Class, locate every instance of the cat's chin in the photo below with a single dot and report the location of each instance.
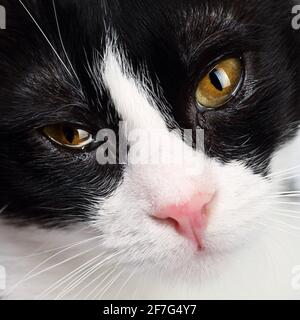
(193, 270)
(186, 264)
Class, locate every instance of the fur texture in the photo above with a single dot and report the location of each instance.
(94, 64)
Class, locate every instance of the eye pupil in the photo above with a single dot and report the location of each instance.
(69, 134)
(214, 78)
(220, 84)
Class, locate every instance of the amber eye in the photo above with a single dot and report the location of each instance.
(68, 136)
(220, 84)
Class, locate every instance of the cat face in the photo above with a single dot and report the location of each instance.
(70, 70)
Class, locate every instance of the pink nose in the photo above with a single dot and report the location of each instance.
(189, 219)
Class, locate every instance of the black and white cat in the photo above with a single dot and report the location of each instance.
(173, 220)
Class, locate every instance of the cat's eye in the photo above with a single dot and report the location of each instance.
(220, 84)
(68, 136)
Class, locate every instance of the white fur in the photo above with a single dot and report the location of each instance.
(243, 258)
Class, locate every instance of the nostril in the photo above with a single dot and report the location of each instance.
(167, 221)
(172, 222)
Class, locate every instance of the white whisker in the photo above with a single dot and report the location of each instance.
(3, 208)
(60, 263)
(110, 272)
(288, 203)
(61, 40)
(68, 277)
(286, 196)
(289, 178)
(287, 192)
(46, 38)
(28, 275)
(286, 215)
(91, 271)
(108, 286)
(283, 223)
(283, 172)
(289, 211)
(267, 226)
(126, 282)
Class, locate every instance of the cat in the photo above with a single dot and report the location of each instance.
(170, 219)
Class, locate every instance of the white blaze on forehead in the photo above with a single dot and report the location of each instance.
(143, 118)
(175, 178)
(130, 98)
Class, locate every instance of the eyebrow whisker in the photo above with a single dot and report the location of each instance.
(46, 38)
(61, 40)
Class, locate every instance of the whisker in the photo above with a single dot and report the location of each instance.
(46, 38)
(105, 273)
(287, 192)
(288, 203)
(279, 173)
(282, 223)
(69, 276)
(39, 253)
(108, 286)
(110, 272)
(285, 196)
(289, 178)
(3, 208)
(63, 251)
(289, 211)
(61, 263)
(277, 228)
(126, 282)
(85, 274)
(91, 271)
(28, 275)
(286, 215)
(61, 40)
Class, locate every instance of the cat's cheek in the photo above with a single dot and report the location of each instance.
(243, 202)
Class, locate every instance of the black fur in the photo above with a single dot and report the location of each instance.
(177, 41)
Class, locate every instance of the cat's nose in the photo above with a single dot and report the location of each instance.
(189, 219)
